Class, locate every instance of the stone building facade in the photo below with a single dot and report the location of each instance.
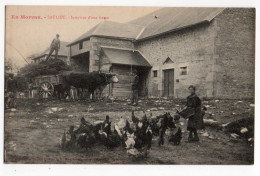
(212, 49)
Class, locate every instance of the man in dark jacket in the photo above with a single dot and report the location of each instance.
(135, 89)
(194, 122)
(55, 46)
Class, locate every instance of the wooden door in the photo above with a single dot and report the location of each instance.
(168, 89)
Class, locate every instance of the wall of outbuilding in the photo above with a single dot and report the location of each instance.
(235, 53)
(219, 56)
(193, 48)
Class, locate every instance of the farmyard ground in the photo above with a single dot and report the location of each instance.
(33, 132)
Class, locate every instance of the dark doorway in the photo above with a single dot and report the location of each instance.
(143, 75)
(168, 88)
(80, 62)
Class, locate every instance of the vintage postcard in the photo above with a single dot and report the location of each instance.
(129, 85)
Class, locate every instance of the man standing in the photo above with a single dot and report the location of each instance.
(55, 46)
(10, 93)
(135, 89)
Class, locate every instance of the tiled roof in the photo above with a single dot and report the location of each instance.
(156, 23)
(171, 19)
(112, 29)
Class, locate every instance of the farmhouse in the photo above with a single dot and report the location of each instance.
(172, 48)
(62, 54)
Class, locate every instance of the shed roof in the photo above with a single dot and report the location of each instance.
(172, 18)
(62, 52)
(125, 57)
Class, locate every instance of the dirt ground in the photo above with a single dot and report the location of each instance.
(33, 131)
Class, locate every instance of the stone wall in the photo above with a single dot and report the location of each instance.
(74, 49)
(235, 53)
(100, 62)
(219, 56)
(192, 48)
(98, 42)
(93, 46)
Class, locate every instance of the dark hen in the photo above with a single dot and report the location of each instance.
(112, 140)
(86, 140)
(134, 118)
(85, 127)
(176, 138)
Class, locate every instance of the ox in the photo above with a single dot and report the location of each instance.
(92, 81)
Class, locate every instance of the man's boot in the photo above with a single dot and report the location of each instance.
(190, 138)
(196, 137)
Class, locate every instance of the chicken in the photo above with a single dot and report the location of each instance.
(137, 154)
(130, 140)
(176, 136)
(106, 126)
(101, 127)
(128, 127)
(85, 127)
(68, 139)
(112, 140)
(143, 135)
(122, 123)
(149, 137)
(134, 118)
(86, 140)
(154, 126)
(165, 121)
(108, 138)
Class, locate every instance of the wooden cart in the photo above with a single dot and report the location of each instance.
(45, 84)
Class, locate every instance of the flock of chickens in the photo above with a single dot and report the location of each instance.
(134, 134)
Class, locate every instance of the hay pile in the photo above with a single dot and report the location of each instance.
(50, 67)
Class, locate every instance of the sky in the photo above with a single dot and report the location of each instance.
(25, 37)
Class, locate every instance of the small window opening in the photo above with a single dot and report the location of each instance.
(155, 73)
(183, 70)
(80, 45)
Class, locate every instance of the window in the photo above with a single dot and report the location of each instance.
(155, 73)
(183, 70)
(80, 45)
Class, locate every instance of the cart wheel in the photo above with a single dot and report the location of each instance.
(46, 89)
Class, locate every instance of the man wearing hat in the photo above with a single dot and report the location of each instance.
(55, 46)
(135, 89)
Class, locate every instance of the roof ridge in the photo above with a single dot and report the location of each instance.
(98, 25)
(153, 24)
(140, 33)
(214, 16)
(147, 14)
